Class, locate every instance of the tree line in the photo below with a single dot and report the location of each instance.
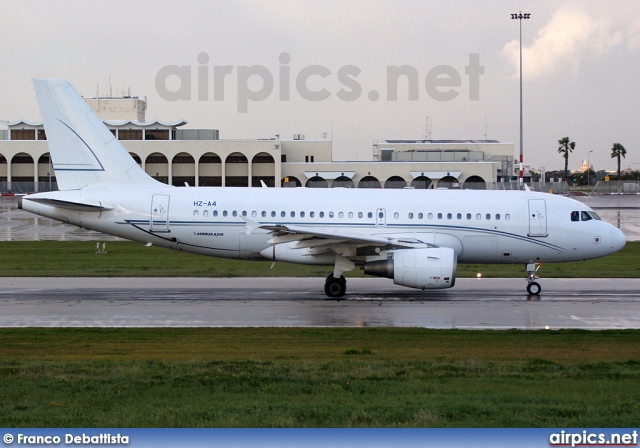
(617, 152)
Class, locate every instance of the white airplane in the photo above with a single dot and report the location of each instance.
(415, 237)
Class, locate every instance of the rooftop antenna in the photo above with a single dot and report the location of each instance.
(110, 91)
(486, 126)
(427, 128)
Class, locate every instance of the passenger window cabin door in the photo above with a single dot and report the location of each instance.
(537, 217)
(160, 213)
(381, 217)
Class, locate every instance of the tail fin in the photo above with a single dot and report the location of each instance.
(85, 154)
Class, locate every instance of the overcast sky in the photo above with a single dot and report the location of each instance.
(322, 67)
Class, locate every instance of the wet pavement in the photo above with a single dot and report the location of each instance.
(299, 302)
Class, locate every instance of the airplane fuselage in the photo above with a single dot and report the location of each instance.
(480, 226)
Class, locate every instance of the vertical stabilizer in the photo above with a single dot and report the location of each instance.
(85, 154)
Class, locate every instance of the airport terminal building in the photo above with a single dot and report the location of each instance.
(198, 157)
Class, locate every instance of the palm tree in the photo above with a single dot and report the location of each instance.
(565, 148)
(618, 151)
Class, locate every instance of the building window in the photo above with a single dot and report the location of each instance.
(130, 134)
(23, 134)
(155, 134)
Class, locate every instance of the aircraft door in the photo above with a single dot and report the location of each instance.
(381, 217)
(160, 213)
(537, 217)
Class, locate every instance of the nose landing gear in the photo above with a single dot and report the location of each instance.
(533, 287)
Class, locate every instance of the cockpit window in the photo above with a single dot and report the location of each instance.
(575, 216)
(594, 215)
(585, 216)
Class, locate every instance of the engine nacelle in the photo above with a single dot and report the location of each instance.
(429, 268)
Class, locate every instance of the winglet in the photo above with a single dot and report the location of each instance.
(251, 225)
(263, 184)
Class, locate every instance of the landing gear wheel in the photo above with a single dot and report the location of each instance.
(534, 288)
(335, 287)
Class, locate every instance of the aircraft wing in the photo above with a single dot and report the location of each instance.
(309, 237)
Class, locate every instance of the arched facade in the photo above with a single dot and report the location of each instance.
(475, 183)
(22, 168)
(236, 168)
(210, 170)
(156, 165)
(317, 182)
(447, 182)
(263, 168)
(421, 183)
(342, 181)
(369, 182)
(290, 182)
(395, 182)
(183, 170)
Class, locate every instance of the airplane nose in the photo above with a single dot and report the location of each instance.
(617, 239)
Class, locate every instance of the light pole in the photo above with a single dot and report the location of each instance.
(589, 168)
(519, 17)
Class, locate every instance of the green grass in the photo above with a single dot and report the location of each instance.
(318, 378)
(128, 259)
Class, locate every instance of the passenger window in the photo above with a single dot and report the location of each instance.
(312, 214)
(322, 214)
(350, 214)
(439, 215)
(396, 215)
(459, 216)
(478, 216)
(369, 215)
(283, 214)
(254, 213)
(273, 214)
(419, 215)
(449, 216)
(586, 216)
(497, 216)
(264, 214)
(330, 214)
(359, 214)
(468, 215)
(575, 216)
(341, 215)
(205, 213)
(195, 213)
(293, 214)
(488, 216)
(507, 216)
(302, 214)
(430, 215)
(235, 213)
(215, 213)
(244, 213)
(224, 213)
(410, 215)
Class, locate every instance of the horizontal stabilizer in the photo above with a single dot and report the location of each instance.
(69, 205)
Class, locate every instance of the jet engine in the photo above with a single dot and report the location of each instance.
(428, 268)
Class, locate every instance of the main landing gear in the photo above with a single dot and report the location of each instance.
(335, 287)
(533, 287)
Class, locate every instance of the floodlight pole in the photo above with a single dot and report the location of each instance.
(519, 17)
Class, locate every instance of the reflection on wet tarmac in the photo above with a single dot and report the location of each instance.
(622, 211)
